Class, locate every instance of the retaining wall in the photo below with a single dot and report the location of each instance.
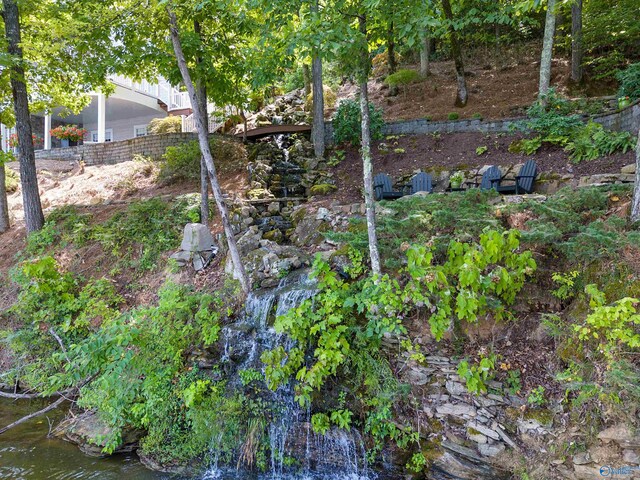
(152, 146)
(627, 119)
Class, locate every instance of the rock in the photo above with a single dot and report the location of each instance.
(621, 434)
(629, 169)
(491, 449)
(456, 410)
(323, 214)
(631, 456)
(585, 472)
(417, 376)
(196, 238)
(582, 458)
(250, 240)
(274, 208)
(322, 189)
(181, 257)
(90, 433)
(476, 437)
(455, 388)
(483, 429)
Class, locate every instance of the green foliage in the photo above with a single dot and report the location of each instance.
(436, 219)
(476, 376)
(537, 397)
(170, 124)
(566, 284)
(513, 381)
(528, 146)
(53, 303)
(481, 150)
(629, 79)
(347, 122)
(476, 279)
(417, 463)
(63, 226)
(336, 158)
(592, 141)
(402, 78)
(453, 116)
(182, 162)
(571, 223)
(11, 180)
(146, 229)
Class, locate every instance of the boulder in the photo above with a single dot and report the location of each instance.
(196, 238)
(89, 433)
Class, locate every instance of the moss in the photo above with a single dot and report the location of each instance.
(322, 189)
(258, 194)
(298, 215)
(541, 415)
(473, 431)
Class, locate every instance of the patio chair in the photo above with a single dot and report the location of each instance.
(524, 181)
(490, 179)
(421, 182)
(383, 189)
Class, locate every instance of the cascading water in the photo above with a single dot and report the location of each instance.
(336, 455)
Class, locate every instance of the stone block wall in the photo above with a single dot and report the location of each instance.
(627, 119)
(110, 153)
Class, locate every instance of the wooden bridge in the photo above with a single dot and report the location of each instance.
(274, 129)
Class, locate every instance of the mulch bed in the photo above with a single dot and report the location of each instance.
(457, 151)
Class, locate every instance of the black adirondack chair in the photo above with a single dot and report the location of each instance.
(524, 180)
(421, 182)
(490, 178)
(383, 188)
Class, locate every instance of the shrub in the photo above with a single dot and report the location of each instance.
(453, 116)
(402, 78)
(330, 99)
(12, 180)
(592, 141)
(171, 124)
(347, 122)
(182, 162)
(629, 79)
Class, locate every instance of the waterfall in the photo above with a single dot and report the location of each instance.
(338, 455)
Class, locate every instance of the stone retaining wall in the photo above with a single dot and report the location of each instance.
(109, 153)
(627, 119)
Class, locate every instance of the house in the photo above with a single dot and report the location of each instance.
(123, 115)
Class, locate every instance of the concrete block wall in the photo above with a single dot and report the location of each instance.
(153, 146)
(627, 119)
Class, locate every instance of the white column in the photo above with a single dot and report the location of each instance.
(102, 118)
(47, 130)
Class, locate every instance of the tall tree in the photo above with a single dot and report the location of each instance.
(365, 148)
(462, 94)
(202, 127)
(33, 215)
(202, 94)
(4, 204)
(424, 55)
(317, 133)
(576, 41)
(547, 48)
(635, 204)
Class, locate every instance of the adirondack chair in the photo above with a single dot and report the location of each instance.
(421, 182)
(524, 180)
(383, 188)
(490, 179)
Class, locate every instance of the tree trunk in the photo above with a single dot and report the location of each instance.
(306, 76)
(547, 49)
(576, 41)
(391, 50)
(317, 132)
(462, 95)
(424, 56)
(33, 216)
(635, 205)
(203, 139)
(204, 177)
(366, 155)
(4, 205)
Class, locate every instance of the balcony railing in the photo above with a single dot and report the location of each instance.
(163, 91)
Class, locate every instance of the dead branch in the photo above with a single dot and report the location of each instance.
(26, 418)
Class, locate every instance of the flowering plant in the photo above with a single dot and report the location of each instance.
(13, 140)
(623, 102)
(68, 132)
